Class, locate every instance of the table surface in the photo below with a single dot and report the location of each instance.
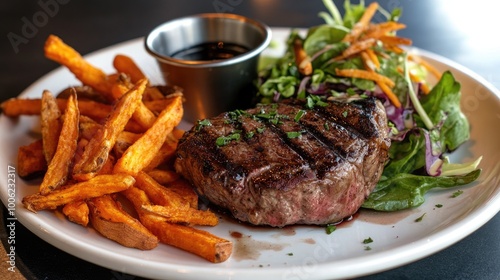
(463, 31)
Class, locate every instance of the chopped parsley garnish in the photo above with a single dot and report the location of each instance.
(368, 248)
(261, 129)
(330, 228)
(264, 115)
(313, 100)
(272, 116)
(368, 240)
(439, 205)
(202, 123)
(344, 114)
(327, 127)
(419, 219)
(299, 115)
(457, 193)
(294, 134)
(351, 91)
(250, 134)
(290, 254)
(224, 140)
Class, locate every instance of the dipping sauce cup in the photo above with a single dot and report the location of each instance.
(212, 57)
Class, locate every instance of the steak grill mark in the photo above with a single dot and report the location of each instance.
(317, 148)
(267, 177)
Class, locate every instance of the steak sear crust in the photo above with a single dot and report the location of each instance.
(282, 164)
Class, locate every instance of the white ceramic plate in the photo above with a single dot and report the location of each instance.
(299, 252)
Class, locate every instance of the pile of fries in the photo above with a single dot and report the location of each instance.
(108, 143)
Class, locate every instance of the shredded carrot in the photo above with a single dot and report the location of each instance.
(384, 28)
(414, 78)
(368, 62)
(390, 94)
(394, 49)
(395, 40)
(364, 74)
(355, 48)
(362, 24)
(373, 58)
(425, 88)
(302, 60)
(426, 65)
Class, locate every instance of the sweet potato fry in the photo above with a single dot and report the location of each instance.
(77, 212)
(142, 115)
(94, 110)
(171, 180)
(107, 168)
(166, 152)
(97, 151)
(121, 84)
(95, 187)
(109, 219)
(198, 242)
(88, 128)
(152, 93)
(103, 155)
(140, 154)
(55, 49)
(190, 216)
(125, 64)
(58, 169)
(185, 190)
(202, 243)
(157, 105)
(50, 124)
(158, 193)
(30, 160)
(124, 140)
(16, 107)
(83, 92)
(163, 177)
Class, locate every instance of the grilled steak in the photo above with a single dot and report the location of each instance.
(283, 164)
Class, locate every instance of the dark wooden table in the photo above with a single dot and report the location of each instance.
(463, 31)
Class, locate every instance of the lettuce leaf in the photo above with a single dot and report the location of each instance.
(443, 104)
(404, 191)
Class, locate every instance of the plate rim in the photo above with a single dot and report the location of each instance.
(377, 261)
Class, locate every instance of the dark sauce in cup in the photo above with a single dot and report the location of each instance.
(211, 51)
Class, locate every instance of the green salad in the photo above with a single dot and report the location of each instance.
(352, 56)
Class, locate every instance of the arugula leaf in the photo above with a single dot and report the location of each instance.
(404, 191)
